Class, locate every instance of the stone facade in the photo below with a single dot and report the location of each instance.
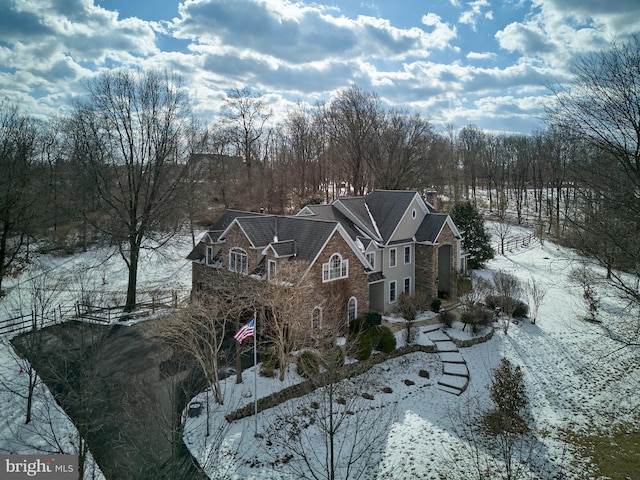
(426, 260)
(332, 296)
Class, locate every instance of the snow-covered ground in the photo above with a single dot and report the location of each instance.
(577, 381)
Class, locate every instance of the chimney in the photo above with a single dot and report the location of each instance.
(432, 198)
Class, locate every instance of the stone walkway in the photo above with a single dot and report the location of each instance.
(455, 374)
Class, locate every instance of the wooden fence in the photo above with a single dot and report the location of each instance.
(35, 320)
(109, 314)
(512, 244)
(106, 315)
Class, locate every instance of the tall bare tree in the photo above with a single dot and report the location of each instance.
(18, 139)
(248, 114)
(353, 120)
(133, 136)
(602, 106)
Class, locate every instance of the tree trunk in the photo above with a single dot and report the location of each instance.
(130, 304)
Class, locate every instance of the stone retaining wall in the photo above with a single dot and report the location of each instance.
(473, 341)
(347, 371)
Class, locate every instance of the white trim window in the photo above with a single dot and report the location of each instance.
(335, 269)
(407, 285)
(316, 319)
(271, 269)
(407, 255)
(393, 257)
(238, 260)
(393, 291)
(210, 255)
(352, 309)
(371, 258)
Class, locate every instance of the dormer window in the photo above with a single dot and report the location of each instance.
(238, 261)
(335, 269)
(271, 269)
(210, 255)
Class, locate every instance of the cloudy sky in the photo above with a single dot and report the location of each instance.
(483, 62)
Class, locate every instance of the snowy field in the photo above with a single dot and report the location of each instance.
(577, 381)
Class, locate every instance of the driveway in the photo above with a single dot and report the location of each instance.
(124, 391)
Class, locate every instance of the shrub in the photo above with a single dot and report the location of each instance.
(517, 307)
(447, 317)
(408, 382)
(308, 364)
(521, 309)
(407, 307)
(270, 361)
(508, 391)
(464, 285)
(435, 305)
(364, 346)
(356, 326)
(476, 316)
(386, 340)
(332, 357)
(371, 319)
(423, 374)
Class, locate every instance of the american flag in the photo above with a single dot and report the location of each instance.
(246, 331)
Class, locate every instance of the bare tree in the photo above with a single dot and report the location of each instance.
(133, 136)
(334, 432)
(18, 138)
(288, 305)
(199, 330)
(353, 120)
(537, 291)
(248, 113)
(602, 106)
(507, 290)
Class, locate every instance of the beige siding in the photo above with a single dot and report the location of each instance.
(408, 225)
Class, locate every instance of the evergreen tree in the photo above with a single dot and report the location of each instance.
(508, 390)
(476, 240)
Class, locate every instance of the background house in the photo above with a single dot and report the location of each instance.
(360, 253)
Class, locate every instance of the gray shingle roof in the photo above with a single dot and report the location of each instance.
(430, 227)
(308, 234)
(387, 208)
(220, 225)
(330, 213)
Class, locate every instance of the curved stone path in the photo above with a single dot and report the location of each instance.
(455, 374)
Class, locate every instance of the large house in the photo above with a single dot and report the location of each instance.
(377, 246)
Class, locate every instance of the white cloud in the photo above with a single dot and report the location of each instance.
(470, 17)
(481, 56)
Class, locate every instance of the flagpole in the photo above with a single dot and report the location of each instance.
(255, 371)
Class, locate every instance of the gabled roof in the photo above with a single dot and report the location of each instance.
(309, 235)
(332, 214)
(228, 216)
(387, 208)
(282, 249)
(430, 228)
(216, 230)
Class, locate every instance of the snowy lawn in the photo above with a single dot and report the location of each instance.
(576, 378)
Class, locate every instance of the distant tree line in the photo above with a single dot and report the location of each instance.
(130, 165)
